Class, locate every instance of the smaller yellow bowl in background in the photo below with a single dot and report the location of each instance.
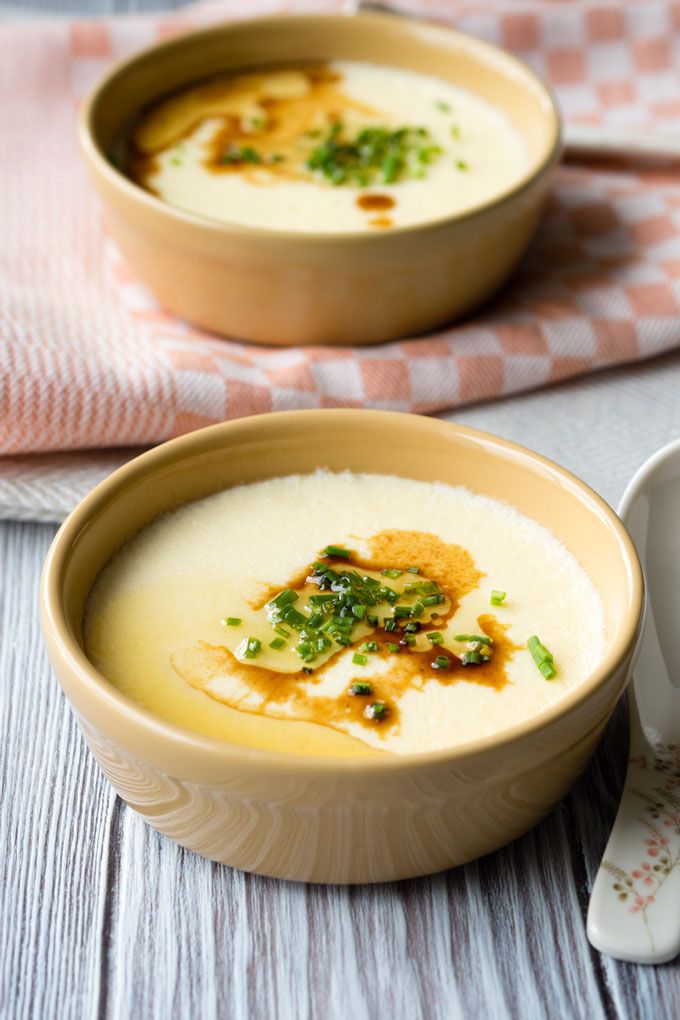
(278, 287)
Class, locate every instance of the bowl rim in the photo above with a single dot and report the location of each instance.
(72, 656)
(135, 192)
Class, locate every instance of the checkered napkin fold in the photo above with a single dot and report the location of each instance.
(88, 360)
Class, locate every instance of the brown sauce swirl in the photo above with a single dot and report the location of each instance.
(450, 566)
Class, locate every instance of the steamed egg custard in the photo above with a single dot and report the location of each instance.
(342, 146)
(345, 614)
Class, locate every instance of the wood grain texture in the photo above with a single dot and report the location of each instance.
(100, 916)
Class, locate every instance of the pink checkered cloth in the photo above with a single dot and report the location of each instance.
(87, 359)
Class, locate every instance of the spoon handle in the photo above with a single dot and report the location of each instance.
(634, 911)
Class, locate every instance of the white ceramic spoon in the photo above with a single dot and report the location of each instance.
(634, 911)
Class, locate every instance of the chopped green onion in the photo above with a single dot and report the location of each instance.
(391, 572)
(389, 625)
(372, 621)
(462, 165)
(282, 630)
(481, 638)
(232, 621)
(470, 658)
(336, 551)
(292, 617)
(402, 612)
(307, 669)
(392, 646)
(412, 628)
(454, 131)
(497, 597)
(314, 620)
(361, 688)
(284, 598)
(253, 647)
(278, 643)
(443, 106)
(370, 646)
(413, 570)
(378, 710)
(538, 650)
(435, 637)
(410, 639)
(441, 662)
(359, 611)
(542, 657)
(359, 660)
(432, 600)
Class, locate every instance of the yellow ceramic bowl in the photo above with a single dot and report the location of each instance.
(278, 287)
(338, 819)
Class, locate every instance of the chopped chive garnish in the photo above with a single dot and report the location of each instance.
(482, 639)
(413, 570)
(435, 638)
(410, 639)
(497, 597)
(402, 612)
(314, 620)
(392, 646)
(284, 598)
(371, 620)
(359, 611)
(253, 647)
(392, 572)
(378, 710)
(336, 551)
(470, 658)
(359, 660)
(361, 688)
(389, 625)
(293, 618)
(462, 165)
(443, 106)
(538, 650)
(432, 600)
(412, 628)
(307, 669)
(542, 657)
(232, 621)
(441, 662)
(370, 646)
(278, 643)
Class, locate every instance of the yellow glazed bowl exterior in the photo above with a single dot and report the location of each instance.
(334, 819)
(278, 287)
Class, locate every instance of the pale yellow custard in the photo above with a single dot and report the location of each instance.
(171, 616)
(336, 147)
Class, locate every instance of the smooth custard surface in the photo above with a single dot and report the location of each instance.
(236, 148)
(154, 630)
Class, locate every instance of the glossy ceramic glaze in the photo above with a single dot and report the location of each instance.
(322, 819)
(293, 288)
(634, 907)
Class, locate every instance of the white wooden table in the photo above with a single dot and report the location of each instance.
(100, 916)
